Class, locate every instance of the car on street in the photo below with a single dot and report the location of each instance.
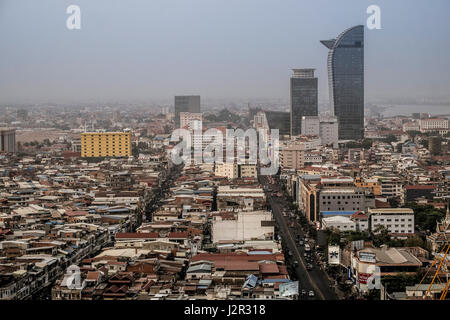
(311, 293)
(303, 292)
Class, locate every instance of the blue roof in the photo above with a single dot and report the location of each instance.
(338, 213)
(119, 210)
(274, 280)
(259, 252)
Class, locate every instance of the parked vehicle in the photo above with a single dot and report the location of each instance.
(311, 293)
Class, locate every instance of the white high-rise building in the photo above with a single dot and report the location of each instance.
(191, 120)
(310, 126)
(329, 131)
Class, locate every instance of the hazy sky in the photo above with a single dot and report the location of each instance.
(155, 49)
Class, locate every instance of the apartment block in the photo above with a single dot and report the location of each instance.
(396, 220)
(106, 144)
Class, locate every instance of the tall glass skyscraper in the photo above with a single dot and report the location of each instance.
(186, 104)
(303, 98)
(346, 81)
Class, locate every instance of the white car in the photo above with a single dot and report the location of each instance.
(311, 293)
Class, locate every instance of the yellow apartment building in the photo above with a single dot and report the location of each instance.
(370, 184)
(106, 144)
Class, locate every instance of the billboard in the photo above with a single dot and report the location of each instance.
(288, 289)
(334, 255)
(367, 257)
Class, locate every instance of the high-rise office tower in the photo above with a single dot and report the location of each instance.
(303, 98)
(279, 120)
(186, 104)
(346, 81)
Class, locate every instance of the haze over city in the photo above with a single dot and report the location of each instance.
(224, 158)
(153, 50)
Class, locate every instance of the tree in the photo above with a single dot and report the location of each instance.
(394, 202)
(426, 216)
(380, 235)
(415, 241)
(414, 133)
(373, 294)
(334, 237)
(390, 138)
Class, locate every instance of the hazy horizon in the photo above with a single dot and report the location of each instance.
(239, 49)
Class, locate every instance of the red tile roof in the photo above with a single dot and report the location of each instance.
(268, 268)
(136, 235)
(178, 235)
(419, 187)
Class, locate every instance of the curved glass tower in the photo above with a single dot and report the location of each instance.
(346, 81)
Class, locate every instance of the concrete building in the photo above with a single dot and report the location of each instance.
(294, 154)
(310, 126)
(391, 187)
(7, 140)
(243, 198)
(339, 223)
(243, 226)
(325, 128)
(190, 120)
(342, 199)
(106, 144)
(398, 221)
(304, 98)
(433, 124)
(417, 192)
(329, 131)
(186, 104)
(361, 221)
(390, 261)
(234, 170)
(372, 185)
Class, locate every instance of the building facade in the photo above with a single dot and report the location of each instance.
(279, 120)
(346, 81)
(395, 220)
(190, 120)
(7, 140)
(106, 144)
(304, 97)
(186, 104)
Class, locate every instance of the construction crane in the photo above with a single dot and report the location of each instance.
(440, 261)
